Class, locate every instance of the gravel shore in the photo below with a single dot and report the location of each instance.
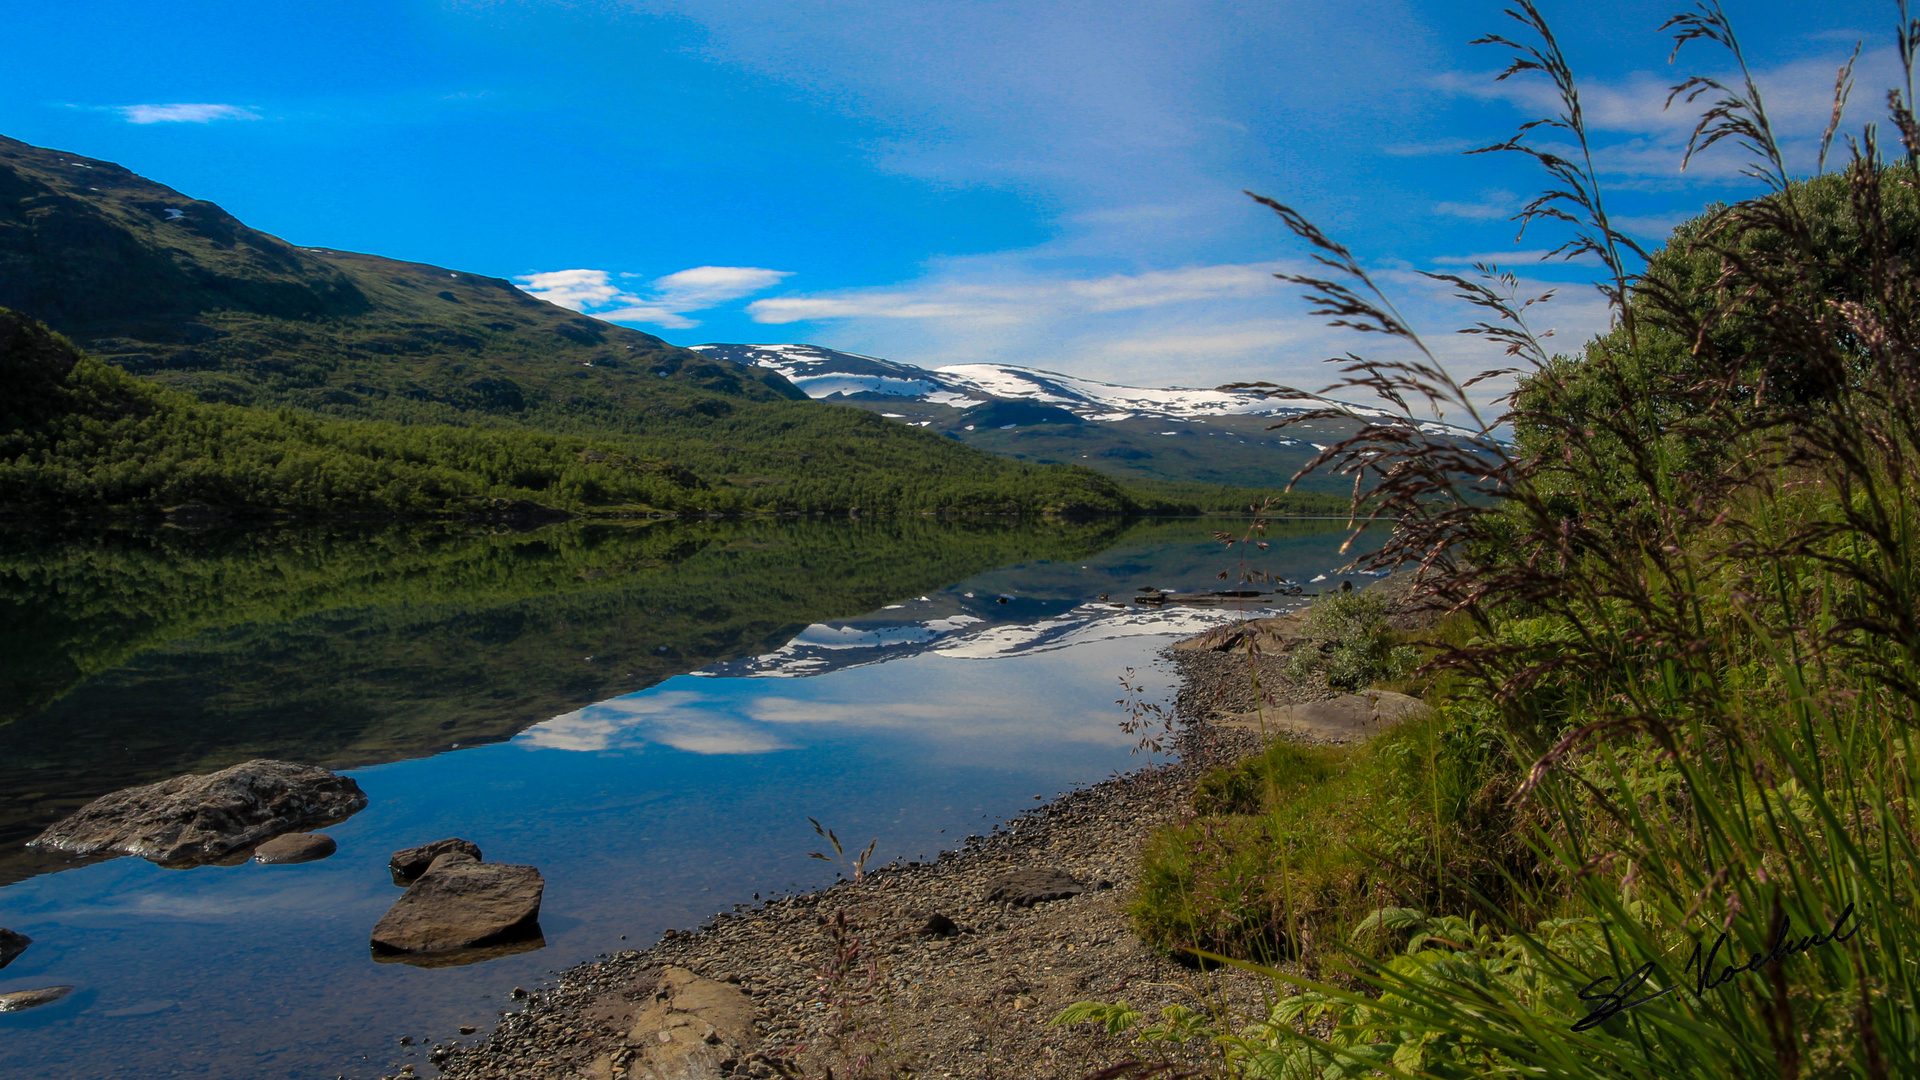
(860, 978)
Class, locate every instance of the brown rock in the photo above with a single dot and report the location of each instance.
(11, 945)
(1272, 635)
(295, 848)
(1025, 888)
(409, 863)
(460, 904)
(692, 1026)
(464, 957)
(27, 999)
(1347, 718)
(198, 819)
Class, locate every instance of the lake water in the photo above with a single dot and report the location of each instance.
(648, 713)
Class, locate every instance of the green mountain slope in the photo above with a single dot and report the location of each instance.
(178, 290)
(227, 358)
(79, 436)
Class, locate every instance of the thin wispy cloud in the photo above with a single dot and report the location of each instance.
(1491, 206)
(666, 303)
(1023, 299)
(1639, 135)
(202, 113)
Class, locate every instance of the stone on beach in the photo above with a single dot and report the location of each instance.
(12, 944)
(203, 818)
(1347, 718)
(694, 1029)
(1025, 888)
(1275, 634)
(460, 903)
(295, 848)
(409, 863)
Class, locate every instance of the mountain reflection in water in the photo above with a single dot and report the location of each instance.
(130, 657)
(648, 713)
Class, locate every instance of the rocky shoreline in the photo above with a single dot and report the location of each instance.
(911, 970)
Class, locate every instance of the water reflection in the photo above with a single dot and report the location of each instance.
(130, 657)
(928, 710)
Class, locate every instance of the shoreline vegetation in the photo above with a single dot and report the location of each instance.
(1669, 651)
(82, 439)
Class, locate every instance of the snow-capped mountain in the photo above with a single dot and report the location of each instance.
(824, 373)
(1130, 432)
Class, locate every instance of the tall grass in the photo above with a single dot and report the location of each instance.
(1694, 611)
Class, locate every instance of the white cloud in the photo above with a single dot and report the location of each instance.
(575, 289)
(184, 114)
(705, 286)
(593, 292)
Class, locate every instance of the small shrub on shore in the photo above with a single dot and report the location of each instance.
(1300, 843)
(1347, 640)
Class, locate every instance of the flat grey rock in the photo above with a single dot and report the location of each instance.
(19, 1000)
(1343, 719)
(1025, 888)
(409, 863)
(11, 945)
(295, 848)
(459, 904)
(190, 820)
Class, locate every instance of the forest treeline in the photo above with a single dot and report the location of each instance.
(76, 433)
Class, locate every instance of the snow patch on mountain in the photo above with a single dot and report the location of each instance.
(821, 372)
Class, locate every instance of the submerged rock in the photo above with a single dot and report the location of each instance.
(1025, 888)
(27, 999)
(295, 848)
(198, 819)
(11, 945)
(409, 863)
(460, 904)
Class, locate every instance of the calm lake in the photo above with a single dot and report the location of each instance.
(648, 712)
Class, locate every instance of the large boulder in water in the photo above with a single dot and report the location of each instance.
(460, 903)
(199, 819)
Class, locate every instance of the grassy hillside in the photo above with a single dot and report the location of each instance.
(78, 435)
(177, 290)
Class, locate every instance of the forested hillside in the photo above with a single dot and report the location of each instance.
(79, 435)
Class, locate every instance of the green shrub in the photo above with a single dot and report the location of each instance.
(1346, 639)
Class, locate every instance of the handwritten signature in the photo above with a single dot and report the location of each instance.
(1607, 1004)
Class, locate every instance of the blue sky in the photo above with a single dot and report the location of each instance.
(1044, 182)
